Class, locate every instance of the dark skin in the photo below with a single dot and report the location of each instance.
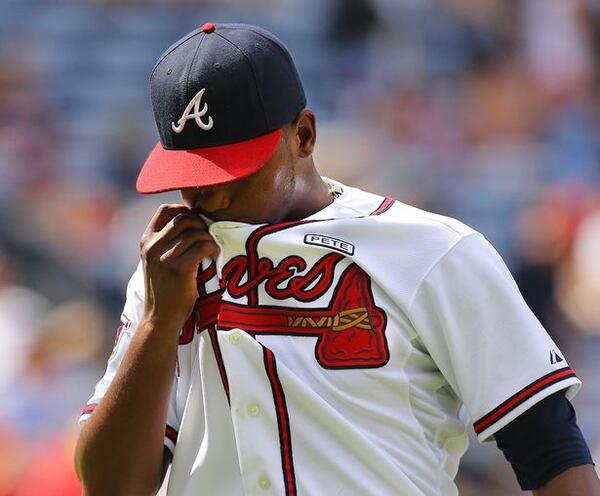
(177, 240)
(115, 455)
(287, 187)
(118, 456)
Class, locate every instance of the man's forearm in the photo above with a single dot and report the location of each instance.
(120, 449)
(575, 481)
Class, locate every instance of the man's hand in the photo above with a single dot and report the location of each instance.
(172, 248)
(120, 449)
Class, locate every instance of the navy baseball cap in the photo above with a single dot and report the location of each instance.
(221, 96)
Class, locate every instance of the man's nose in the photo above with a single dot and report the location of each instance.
(210, 199)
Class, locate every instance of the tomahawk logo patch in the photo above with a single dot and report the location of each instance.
(350, 329)
(329, 242)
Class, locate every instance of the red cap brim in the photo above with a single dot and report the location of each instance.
(166, 170)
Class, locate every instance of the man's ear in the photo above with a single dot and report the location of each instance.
(305, 133)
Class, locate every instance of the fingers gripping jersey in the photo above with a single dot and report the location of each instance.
(334, 355)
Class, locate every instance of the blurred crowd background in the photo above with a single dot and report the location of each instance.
(485, 110)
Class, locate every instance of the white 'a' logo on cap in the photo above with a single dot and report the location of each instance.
(196, 115)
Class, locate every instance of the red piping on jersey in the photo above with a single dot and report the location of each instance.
(527, 392)
(123, 326)
(208, 310)
(384, 207)
(204, 315)
(205, 309)
(87, 409)
(283, 423)
(171, 433)
(212, 332)
(204, 276)
(118, 332)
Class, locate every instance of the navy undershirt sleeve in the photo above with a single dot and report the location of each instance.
(543, 442)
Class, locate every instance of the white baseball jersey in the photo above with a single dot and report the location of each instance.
(334, 355)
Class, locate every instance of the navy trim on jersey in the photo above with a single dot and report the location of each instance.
(521, 396)
(283, 423)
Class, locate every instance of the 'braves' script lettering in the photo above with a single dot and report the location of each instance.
(350, 327)
(285, 280)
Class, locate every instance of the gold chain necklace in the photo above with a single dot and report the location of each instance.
(334, 191)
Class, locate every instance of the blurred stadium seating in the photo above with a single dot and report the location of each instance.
(487, 111)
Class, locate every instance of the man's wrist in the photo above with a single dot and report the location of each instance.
(154, 325)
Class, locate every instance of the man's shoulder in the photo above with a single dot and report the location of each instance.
(398, 244)
(411, 216)
(135, 286)
(398, 215)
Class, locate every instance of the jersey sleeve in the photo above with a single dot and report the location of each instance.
(485, 340)
(129, 321)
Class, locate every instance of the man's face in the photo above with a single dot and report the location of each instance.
(263, 197)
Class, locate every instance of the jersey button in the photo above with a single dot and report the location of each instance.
(264, 482)
(235, 337)
(253, 410)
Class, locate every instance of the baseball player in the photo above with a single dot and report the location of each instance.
(287, 334)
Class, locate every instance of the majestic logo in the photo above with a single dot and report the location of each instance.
(329, 242)
(196, 115)
(555, 357)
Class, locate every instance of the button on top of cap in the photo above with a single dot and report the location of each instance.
(208, 27)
